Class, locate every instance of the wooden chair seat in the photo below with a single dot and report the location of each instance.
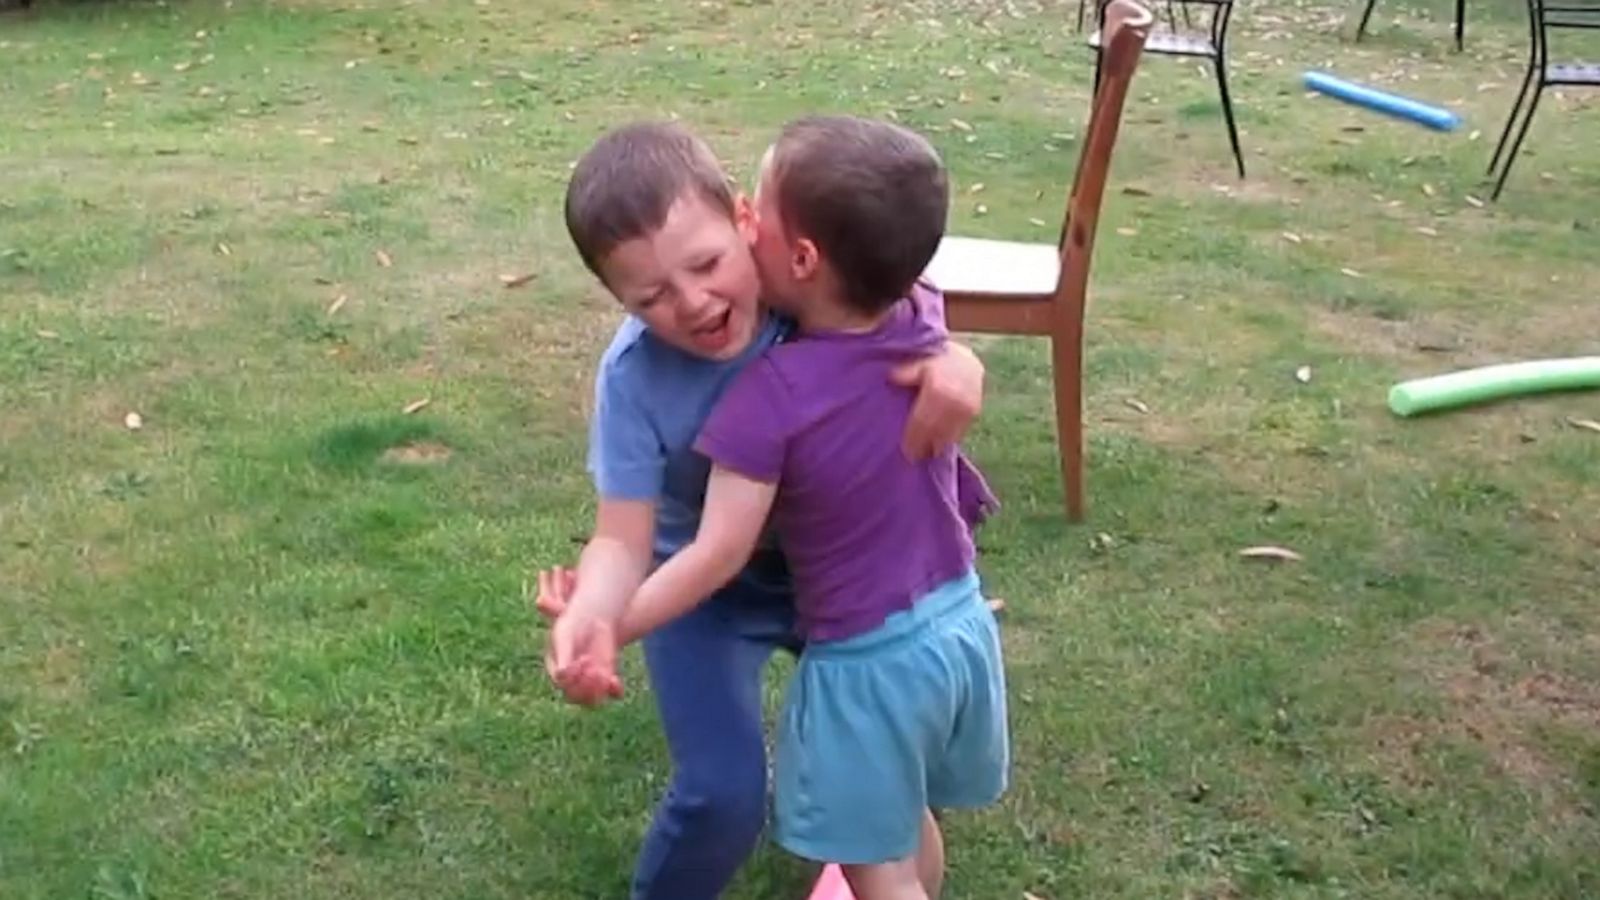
(1173, 43)
(979, 265)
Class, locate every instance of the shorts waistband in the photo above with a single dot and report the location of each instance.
(947, 601)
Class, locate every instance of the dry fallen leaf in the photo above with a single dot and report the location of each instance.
(1128, 232)
(1428, 189)
(384, 259)
(337, 304)
(976, 187)
(1137, 405)
(1429, 232)
(224, 249)
(980, 210)
(1040, 223)
(1351, 272)
(1303, 374)
(1030, 895)
(415, 405)
(514, 281)
(1585, 424)
(960, 125)
(1474, 202)
(1291, 237)
(1280, 554)
(133, 421)
(47, 334)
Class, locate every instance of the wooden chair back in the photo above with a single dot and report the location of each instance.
(1127, 25)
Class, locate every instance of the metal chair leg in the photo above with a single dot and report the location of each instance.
(1366, 15)
(1516, 145)
(1227, 113)
(1511, 121)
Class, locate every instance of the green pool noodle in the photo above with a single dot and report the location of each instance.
(1468, 386)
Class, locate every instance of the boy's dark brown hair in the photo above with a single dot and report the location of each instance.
(872, 196)
(624, 185)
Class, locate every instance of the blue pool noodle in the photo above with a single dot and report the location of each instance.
(1403, 107)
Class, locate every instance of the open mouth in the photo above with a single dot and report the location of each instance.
(713, 335)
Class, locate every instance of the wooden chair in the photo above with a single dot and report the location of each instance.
(1004, 287)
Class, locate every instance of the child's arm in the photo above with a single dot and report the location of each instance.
(581, 657)
(949, 388)
(735, 512)
(949, 385)
(616, 558)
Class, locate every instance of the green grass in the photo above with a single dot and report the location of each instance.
(245, 652)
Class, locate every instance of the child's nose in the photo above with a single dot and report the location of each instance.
(695, 301)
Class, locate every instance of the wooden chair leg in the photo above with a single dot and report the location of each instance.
(1067, 366)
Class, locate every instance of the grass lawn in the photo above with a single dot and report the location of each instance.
(276, 641)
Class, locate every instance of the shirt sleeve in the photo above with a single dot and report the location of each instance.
(626, 457)
(928, 301)
(748, 431)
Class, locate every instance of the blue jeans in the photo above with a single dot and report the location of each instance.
(705, 670)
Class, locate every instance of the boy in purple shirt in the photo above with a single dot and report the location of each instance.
(898, 704)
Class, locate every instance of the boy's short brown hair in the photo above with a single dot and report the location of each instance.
(624, 185)
(872, 195)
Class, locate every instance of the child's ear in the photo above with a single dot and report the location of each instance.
(805, 261)
(744, 218)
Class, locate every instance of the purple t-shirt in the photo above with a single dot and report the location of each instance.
(865, 530)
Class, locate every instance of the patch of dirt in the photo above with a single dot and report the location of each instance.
(1549, 327)
(1446, 344)
(60, 672)
(1493, 707)
(419, 453)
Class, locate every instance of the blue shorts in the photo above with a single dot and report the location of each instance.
(880, 726)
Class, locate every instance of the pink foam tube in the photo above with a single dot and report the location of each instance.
(831, 886)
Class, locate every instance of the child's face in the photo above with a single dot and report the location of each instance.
(692, 282)
(773, 251)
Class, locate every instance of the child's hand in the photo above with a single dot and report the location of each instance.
(556, 587)
(949, 390)
(582, 659)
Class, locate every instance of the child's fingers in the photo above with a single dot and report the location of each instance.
(549, 607)
(590, 688)
(555, 586)
(591, 680)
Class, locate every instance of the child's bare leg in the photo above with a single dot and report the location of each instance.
(930, 856)
(886, 881)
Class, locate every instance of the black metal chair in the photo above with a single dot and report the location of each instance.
(1544, 20)
(1461, 21)
(1208, 42)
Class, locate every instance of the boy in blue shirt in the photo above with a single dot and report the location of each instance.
(651, 213)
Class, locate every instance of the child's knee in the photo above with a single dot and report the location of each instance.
(885, 881)
(732, 804)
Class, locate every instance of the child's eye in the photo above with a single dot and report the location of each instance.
(705, 267)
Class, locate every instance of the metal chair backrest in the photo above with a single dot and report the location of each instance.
(1563, 15)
